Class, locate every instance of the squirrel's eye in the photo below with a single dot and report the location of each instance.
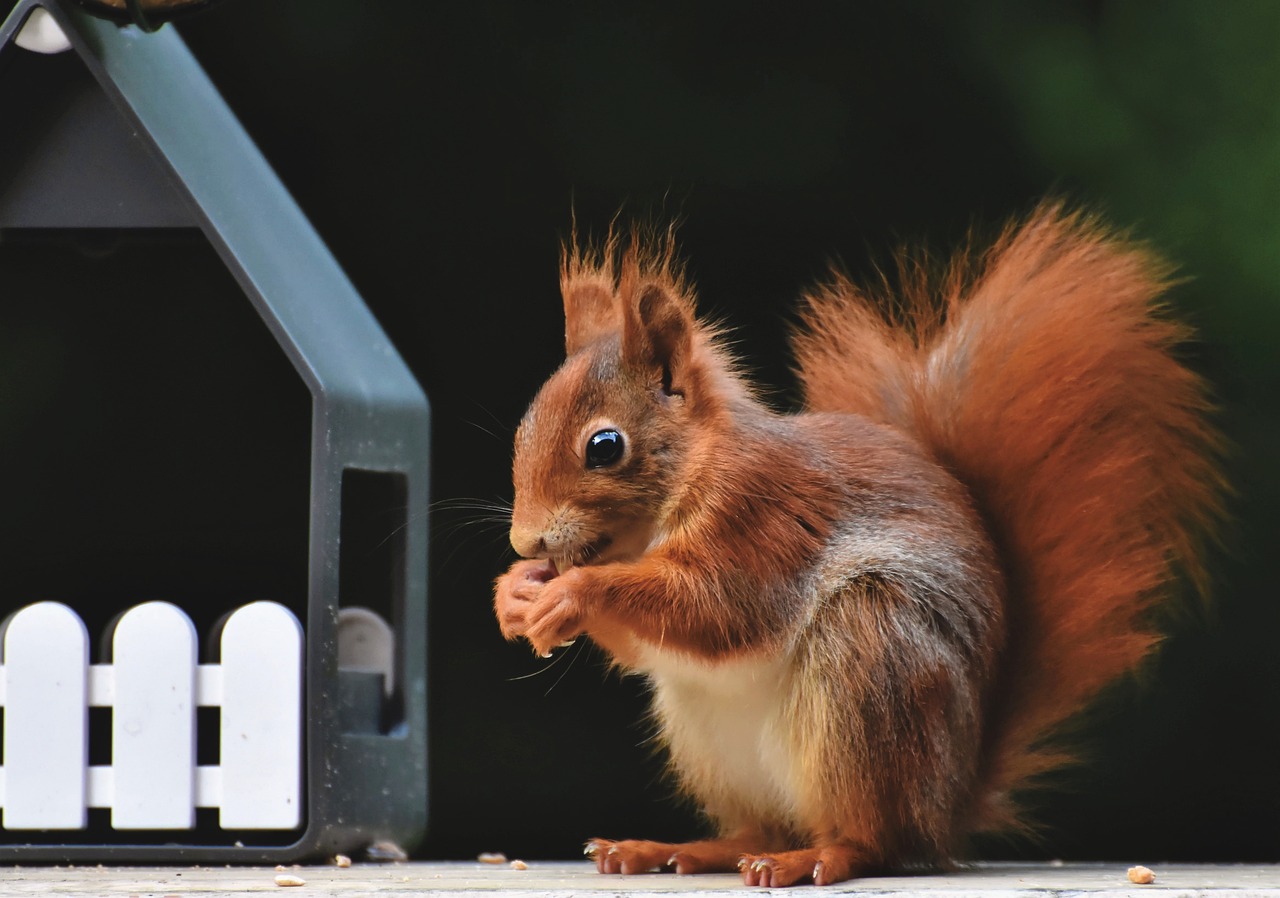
(604, 448)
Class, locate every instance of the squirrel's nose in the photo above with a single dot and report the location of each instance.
(527, 541)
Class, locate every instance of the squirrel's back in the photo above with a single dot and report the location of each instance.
(1042, 374)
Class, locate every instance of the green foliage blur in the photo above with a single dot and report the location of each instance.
(1169, 112)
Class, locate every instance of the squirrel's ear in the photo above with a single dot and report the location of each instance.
(657, 333)
(590, 312)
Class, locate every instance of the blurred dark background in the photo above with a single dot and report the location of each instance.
(440, 148)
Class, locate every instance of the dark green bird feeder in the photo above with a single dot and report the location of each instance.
(133, 140)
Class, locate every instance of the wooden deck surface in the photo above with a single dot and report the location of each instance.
(545, 879)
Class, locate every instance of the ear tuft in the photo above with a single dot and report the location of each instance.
(590, 312)
(588, 284)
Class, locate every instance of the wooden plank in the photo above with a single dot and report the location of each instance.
(555, 879)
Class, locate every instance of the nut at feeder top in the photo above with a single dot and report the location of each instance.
(146, 14)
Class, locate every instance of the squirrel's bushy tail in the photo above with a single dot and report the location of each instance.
(1041, 373)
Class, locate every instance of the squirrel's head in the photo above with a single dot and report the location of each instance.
(604, 449)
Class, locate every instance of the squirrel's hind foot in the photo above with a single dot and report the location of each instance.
(820, 866)
(638, 856)
(628, 856)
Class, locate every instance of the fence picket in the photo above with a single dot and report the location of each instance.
(261, 748)
(153, 747)
(46, 750)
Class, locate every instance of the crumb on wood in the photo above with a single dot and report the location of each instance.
(519, 865)
(491, 857)
(1141, 875)
(341, 860)
(289, 879)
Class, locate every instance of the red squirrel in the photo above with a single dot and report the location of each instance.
(862, 622)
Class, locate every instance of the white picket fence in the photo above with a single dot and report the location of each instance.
(154, 684)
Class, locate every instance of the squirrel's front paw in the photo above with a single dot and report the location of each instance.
(556, 616)
(516, 592)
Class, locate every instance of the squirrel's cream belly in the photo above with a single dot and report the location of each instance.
(728, 730)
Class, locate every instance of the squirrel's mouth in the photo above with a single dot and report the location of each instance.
(586, 555)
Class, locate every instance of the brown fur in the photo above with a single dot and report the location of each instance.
(862, 622)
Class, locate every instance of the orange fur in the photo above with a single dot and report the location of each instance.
(862, 622)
